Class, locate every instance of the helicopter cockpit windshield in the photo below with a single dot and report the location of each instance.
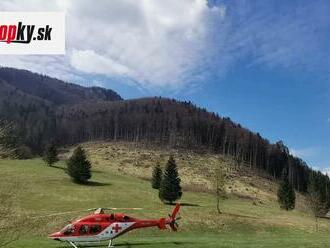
(69, 229)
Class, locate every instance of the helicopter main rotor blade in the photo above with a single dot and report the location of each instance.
(124, 208)
(57, 214)
(93, 209)
(79, 211)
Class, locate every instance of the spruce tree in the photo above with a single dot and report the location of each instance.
(156, 177)
(50, 154)
(170, 189)
(285, 195)
(78, 166)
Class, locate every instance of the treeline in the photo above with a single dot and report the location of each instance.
(178, 124)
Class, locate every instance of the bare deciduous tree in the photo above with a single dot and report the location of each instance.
(5, 130)
(316, 198)
(219, 184)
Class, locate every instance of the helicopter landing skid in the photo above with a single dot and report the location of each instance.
(110, 244)
(73, 244)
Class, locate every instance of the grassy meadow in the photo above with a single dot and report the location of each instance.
(251, 216)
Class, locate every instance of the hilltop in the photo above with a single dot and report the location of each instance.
(50, 90)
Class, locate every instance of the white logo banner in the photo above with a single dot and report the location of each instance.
(32, 33)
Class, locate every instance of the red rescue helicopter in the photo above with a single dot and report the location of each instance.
(101, 226)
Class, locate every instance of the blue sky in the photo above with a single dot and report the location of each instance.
(265, 64)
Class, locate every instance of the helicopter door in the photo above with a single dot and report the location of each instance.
(95, 229)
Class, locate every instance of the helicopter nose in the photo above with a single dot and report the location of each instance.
(55, 236)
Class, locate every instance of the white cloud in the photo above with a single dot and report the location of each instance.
(55, 66)
(326, 171)
(323, 169)
(90, 62)
(169, 44)
(316, 157)
(305, 152)
(155, 43)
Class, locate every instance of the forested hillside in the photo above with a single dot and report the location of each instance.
(30, 101)
(45, 109)
(54, 90)
(177, 124)
(33, 117)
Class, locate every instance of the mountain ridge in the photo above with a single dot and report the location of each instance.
(54, 90)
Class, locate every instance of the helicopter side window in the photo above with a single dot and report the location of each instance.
(69, 229)
(83, 229)
(126, 218)
(95, 229)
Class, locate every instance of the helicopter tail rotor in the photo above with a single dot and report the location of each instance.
(174, 224)
(176, 210)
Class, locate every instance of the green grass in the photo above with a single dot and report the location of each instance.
(41, 190)
(199, 240)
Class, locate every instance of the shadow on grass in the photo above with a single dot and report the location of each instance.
(128, 244)
(134, 244)
(184, 204)
(96, 184)
(91, 183)
(57, 167)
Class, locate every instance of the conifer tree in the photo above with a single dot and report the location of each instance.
(78, 166)
(50, 154)
(170, 189)
(285, 195)
(156, 177)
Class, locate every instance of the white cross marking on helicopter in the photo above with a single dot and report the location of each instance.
(117, 228)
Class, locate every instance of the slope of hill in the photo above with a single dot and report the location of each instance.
(46, 109)
(119, 178)
(32, 116)
(170, 123)
(30, 101)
